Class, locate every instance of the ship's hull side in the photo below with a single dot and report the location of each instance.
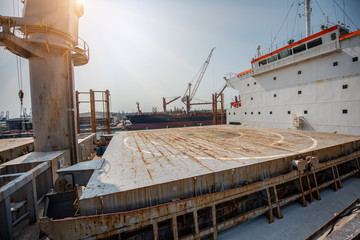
(321, 92)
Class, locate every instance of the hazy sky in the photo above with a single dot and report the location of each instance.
(144, 50)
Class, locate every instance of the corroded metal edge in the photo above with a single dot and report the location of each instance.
(104, 225)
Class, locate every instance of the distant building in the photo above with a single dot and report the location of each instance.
(19, 124)
(85, 119)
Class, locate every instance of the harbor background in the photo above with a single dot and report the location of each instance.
(143, 51)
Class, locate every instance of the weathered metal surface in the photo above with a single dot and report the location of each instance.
(15, 147)
(89, 165)
(86, 145)
(13, 186)
(82, 172)
(344, 225)
(52, 50)
(56, 159)
(91, 227)
(27, 179)
(146, 168)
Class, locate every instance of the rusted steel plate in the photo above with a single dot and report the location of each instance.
(138, 159)
(15, 147)
(344, 225)
(146, 168)
(110, 224)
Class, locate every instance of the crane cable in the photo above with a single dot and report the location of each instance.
(321, 10)
(345, 15)
(283, 21)
(19, 76)
(21, 93)
(296, 16)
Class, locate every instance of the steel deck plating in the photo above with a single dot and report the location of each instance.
(140, 159)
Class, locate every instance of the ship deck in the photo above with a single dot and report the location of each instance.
(11, 143)
(139, 159)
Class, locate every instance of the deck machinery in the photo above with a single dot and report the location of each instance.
(191, 183)
(47, 35)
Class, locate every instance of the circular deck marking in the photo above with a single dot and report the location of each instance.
(237, 137)
(212, 134)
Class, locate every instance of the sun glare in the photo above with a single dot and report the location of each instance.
(81, 2)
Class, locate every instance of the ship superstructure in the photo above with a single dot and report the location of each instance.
(181, 183)
(310, 84)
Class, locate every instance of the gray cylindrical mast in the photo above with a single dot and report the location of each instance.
(307, 17)
(52, 50)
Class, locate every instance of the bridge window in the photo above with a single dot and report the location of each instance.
(284, 53)
(270, 112)
(299, 48)
(333, 36)
(274, 78)
(343, 31)
(345, 86)
(274, 95)
(262, 62)
(314, 43)
(272, 58)
(355, 59)
(335, 64)
(345, 111)
(305, 112)
(289, 112)
(299, 72)
(299, 92)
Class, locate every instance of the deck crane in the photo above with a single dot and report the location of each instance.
(168, 102)
(189, 95)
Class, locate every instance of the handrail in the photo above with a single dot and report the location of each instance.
(285, 43)
(20, 29)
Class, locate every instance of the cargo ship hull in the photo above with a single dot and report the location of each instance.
(154, 121)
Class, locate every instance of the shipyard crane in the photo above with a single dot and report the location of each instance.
(189, 95)
(168, 102)
(47, 35)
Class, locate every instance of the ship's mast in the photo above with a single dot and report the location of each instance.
(307, 17)
(48, 38)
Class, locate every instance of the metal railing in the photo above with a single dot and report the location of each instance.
(295, 38)
(21, 29)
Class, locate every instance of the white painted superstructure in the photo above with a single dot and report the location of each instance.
(311, 84)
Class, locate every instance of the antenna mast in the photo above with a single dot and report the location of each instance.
(307, 17)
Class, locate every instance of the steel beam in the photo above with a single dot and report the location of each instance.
(271, 215)
(77, 111)
(31, 199)
(175, 228)
(107, 93)
(277, 212)
(155, 230)
(6, 228)
(130, 220)
(92, 110)
(213, 216)
(196, 224)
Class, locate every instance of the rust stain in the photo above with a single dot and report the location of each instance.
(142, 158)
(93, 226)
